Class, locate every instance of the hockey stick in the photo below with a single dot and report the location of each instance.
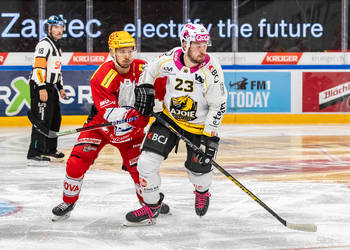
(300, 227)
(53, 134)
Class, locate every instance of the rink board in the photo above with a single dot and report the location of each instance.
(266, 94)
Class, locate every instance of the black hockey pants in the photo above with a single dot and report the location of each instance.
(49, 114)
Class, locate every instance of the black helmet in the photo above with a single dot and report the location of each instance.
(55, 20)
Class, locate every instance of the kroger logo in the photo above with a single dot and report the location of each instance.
(202, 37)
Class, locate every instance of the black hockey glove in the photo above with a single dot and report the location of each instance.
(144, 98)
(211, 146)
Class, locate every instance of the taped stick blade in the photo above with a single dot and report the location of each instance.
(302, 227)
(52, 134)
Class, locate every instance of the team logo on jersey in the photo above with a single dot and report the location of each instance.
(214, 72)
(183, 108)
(109, 78)
(199, 79)
(127, 82)
(143, 182)
(218, 116)
(89, 148)
(168, 70)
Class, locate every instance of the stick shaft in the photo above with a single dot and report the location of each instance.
(53, 134)
(77, 130)
(93, 127)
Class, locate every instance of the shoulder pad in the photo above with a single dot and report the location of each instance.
(139, 61)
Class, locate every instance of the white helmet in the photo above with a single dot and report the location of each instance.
(194, 33)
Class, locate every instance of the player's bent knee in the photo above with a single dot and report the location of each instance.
(76, 166)
(149, 162)
(193, 165)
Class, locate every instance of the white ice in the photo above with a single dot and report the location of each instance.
(234, 220)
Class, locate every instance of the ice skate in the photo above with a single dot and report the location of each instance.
(39, 160)
(164, 209)
(62, 211)
(56, 156)
(144, 216)
(201, 202)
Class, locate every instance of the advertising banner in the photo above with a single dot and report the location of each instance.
(326, 91)
(258, 91)
(259, 26)
(15, 93)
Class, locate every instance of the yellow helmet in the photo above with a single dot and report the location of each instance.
(120, 39)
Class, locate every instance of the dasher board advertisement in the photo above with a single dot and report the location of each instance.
(326, 91)
(15, 93)
(258, 91)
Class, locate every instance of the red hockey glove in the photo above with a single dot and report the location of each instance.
(141, 120)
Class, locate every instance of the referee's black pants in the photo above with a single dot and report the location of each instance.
(49, 114)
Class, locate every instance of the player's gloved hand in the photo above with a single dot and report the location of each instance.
(144, 98)
(211, 146)
(140, 121)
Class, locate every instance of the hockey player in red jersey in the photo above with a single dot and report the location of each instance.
(112, 87)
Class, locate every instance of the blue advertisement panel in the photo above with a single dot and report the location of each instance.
(247, 92)
(15, 92)
(258, 91)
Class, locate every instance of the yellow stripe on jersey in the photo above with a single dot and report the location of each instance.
(39, 74)
(161, 66)
(205, 78)
(189, 127)
(141, 67)
(109, 78)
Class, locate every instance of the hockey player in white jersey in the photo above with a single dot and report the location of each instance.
(194, 104)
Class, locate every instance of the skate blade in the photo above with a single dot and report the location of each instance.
(147, 222)
(53, 159)
(33, 163)
(60, 218)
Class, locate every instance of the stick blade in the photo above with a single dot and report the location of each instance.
(302, 227)
(52, 134)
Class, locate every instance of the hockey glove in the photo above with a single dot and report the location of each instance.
(144, 99)
(141, 120)
(211, 146)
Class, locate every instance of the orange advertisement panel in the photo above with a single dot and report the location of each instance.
(326, 91)
(3, 58)
(282, 58)
(82, 58)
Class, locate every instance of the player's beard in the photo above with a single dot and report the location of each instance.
(196, 60)
(125, 63)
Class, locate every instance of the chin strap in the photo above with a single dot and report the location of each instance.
(114, 60)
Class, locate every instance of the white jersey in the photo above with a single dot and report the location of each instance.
(47, 63)
(195, 98)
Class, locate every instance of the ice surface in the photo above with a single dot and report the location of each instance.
(234, 220)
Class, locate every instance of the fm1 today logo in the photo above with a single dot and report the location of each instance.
(258, 91)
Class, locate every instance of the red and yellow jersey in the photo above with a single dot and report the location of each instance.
(111, 89)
